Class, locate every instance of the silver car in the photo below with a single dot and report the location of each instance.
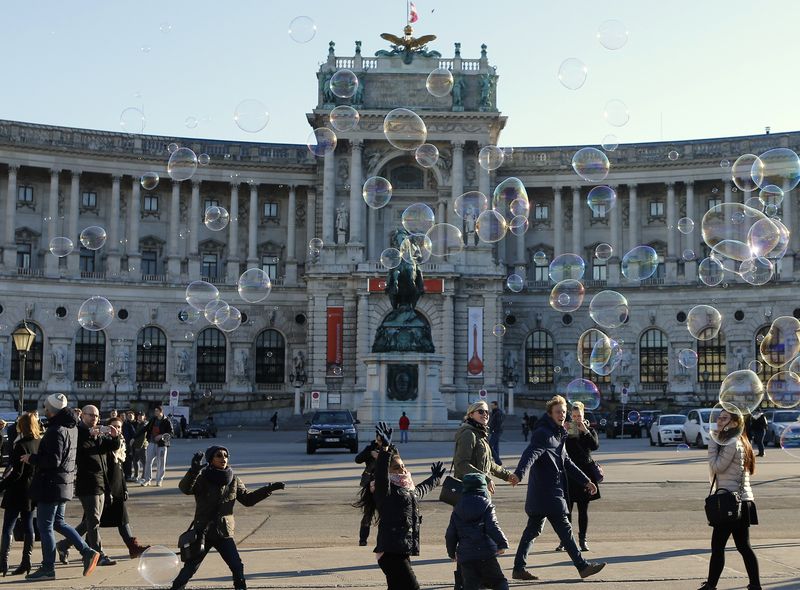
(667, 429)
(777, 421)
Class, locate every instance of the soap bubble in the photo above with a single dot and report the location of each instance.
(302, 29)
(741, 172)
(601, 200)
(231, 321)
(770, 195)
(567, 295)
(609, 309)
(315, 245)
(755, 366)
(685, 225)
(216, 311)
(688, 254)
(147, 345)
(603, 251)
(390, 258)
(615, 112)
(172, 147)
(591, 164)
(203, 159)
(605, 357)
(779, 251)
(741, 391)
(703, 322)
(731, 431)
(377, 192)
(729, 228)
(518, 225)
(321, 141)
(790, 440)
(756, 271)
(763, 236)
(445, 239)
(132, 120)
(771, 210)
(710, 271)
(779, 167)
(254, 285)
(673, 155)
(190, 122)
(93, 237)
(95, 314)
(490, 226)
(499, 330)
(572, 73)
(427, 155)
(687, 358)
(566, 266)
(782, 342)
(251, 115)
(61, 246)
(509, 192)
(158, 566)
(418, 218)
(200, 293)
(439, 82)
(404, 129)
(149, 180)
(783, 389)
(639, 263)
(753, 203)
(586, 344)
(540, 258)
(584, 391)
(634, 416)
(344, 83)
(188, 315)
(612, 34)
(470, 203)
(416, 248)
(216, 218)
(182, 164)
(490, 157)
(520, 207)
(515, 283)
(610, 143)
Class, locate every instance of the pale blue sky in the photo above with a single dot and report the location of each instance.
(707, 68)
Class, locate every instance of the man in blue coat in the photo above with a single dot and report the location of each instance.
(549, 463)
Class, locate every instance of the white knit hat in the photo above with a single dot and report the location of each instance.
(56, 401)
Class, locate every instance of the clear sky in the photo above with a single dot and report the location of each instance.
(691, 68)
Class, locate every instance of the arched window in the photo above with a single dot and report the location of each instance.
(151, 355)
(90, 356)
(766, 370)
(586, 354)
(653, 357)
(270, 357)
(33, 362)
(211, 355)
(407, 177)
(711, 360)
(539, 357)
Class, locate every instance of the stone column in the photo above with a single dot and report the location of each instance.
(291, 238)
(787, 217)
(633, 217)
(448, 338)
(616, 242)
(671, 258)
(73, 260)
(457, 179)
(232, 264)
(726, 183)
(311, 216)
(113, 258)
(362, 338)
(173, 257)
(328, 198)
(10, 247)
(134, 255)
(194, 231)
(692, 240)
(558, 222)
(520, 260)
(50, 261)
(252, 229)
(577, 222)
(372, 238)
(356, 201)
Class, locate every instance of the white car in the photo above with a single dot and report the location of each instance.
(777, 421)
(695, 430)
(667, 429)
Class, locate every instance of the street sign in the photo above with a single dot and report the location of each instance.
(624, 397)
(174, 398)
(482, 394)
(315, 400)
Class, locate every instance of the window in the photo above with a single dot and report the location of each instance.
(541, 212)
(541, 273)
(653, 357)
(599, 269)
(210, 203)
(151, 203)
(87, 260)
(269, 264)
(89, 200)
(151, 356)
(23, 255)
(271, 210)
(713, 202)
(588, 343)
(33, 362)
(149, 262)
(407, 177)
(90, 356)
(211, 352)
(539, 357)
(270, 357)
(711, 360)
(656, 208)
(25, 194)
(598, 212)
(766, 370)
(209, 269)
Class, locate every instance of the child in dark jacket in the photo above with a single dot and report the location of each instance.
(474, 537)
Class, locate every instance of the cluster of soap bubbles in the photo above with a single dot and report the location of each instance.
(204, 298)
(92, 238)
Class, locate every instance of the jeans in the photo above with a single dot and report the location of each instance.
(562, 527)
(226, 547)
(92, 510)
(741, 536)
(482, 573)
(404, 436)
(50, 517)
(160, 455)
(494, 445)
(399, 575)
(139, 457)
(10, 519)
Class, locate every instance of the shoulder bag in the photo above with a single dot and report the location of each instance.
(192, 542)
(723, 507)
(595, 472)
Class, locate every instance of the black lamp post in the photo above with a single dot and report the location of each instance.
(704, 377)
(23, 340)
(115, 379)
(297, 378)
(192, 390)
(511, 379)
(613, 388)
(139, 392)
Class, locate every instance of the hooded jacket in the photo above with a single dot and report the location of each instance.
(54, 478)
(473, 532)
(473, 454)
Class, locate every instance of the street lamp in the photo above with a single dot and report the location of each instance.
(297, 378)
(192, 390)
(115, 379)
(23, 340)
(704, 377)
(511, 379)
(613, 388)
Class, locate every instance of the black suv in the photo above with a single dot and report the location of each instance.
(332, 429)
(632, 429)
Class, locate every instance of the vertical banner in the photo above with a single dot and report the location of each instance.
(335, 341)
(475, 342)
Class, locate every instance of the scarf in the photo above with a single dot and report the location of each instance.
(119, 454)
(402, 480)
(218, 477)
(481, 427)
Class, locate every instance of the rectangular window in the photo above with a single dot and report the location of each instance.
(151, 203)
(269, 264)
(598, 211)
(540, 273)
(270, 210)
(209, 266)
(89, 199)
(541, 212)
(210, 203)
(599, 270)
(713, 202)
(87, 260)
(656, 208)
(149, 262)
(25, 194)
(23, 255)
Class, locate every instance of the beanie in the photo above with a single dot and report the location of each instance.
(56, 402)
(474, 483)
(211, 451)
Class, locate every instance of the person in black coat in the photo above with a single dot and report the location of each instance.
(758, 430)
(16, 486)
(526, 425)
(474, 538)
(397, 500)
(128, 434)
(366, 502)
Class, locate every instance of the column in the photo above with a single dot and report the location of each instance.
(113, 258)
(356, 201)
(134, 256)
(787, 217)
(448, 338)
(671, 261)
(291, 238)
(73, 260)
(577, 222)
(328, 198)
(362, 339)
(173, 258)
(50, 261)
(311, 216)
(10, 248)
(558, 222)
(232, 264)
(616, 242)
(457, 179)
(633, 217)
(692, 238)
(484, 182)
(726, 183)
(194, 232)
(252, 228)
(372, 239)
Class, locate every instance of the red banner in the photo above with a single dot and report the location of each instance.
(335, 341)
(433, 286)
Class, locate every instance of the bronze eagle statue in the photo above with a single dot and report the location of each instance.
(407, 41)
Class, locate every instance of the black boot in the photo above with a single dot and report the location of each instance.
(5, 548)
(583, 545)
(363, 535)
(24, 566)
(239, 584)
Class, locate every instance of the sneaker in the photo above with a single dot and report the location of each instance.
(522, 575)
(144, 483)
(591, 568)
(42, 574)
(106, 560)
(63, 552)
(158, 484)
(90, 559)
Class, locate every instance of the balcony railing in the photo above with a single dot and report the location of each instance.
(89, 384)
(151, 385)
(154, 278)
(90, 274)
(212, 386)
(28, 384)
(29, 272)
(270, 386)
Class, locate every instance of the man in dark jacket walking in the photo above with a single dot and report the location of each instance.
(495, 430)
(52, 486)
(159, 432)
(758, 429)
(549, 463)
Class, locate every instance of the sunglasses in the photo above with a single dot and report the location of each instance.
(221, 455)
(482, 412)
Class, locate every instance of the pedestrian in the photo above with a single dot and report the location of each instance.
(184, 426)
(397, 500)
(495, 430)
(112, 413)
(404, 424)
(526, 425)
(731, 463)
(16, 486)
(758, 430)
(546, 457)
(216, 489)
(159, 432)
(365, 501)
(474, 538)
(274, 421)
(581, 441)
(139, 446)
(53, 486)
(128, 434)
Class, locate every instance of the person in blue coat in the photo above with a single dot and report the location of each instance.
(548, 490)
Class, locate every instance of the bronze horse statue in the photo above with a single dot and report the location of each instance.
(405, 285)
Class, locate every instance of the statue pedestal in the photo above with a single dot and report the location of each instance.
(407, 382)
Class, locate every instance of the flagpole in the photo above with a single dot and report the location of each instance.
(408, 13)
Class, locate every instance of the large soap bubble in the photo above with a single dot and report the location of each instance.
(687, 358)
(601, 199)
(605, 357)
(418, 218)
(95, 314)
(254, 285)
(427, 155)
(591, 164)
(61, 246)
(344, 83)
(510, 194)
(609, 309)
(639, 263)
(321, 141)
(741, 391)
(490, 226)
(566, 266)
(729, 432)
(572, 73)
(490, 157)
(612, 34)
(770, 195)
(756, 271)
(182, 164)
(584, 391)
(132, 120)
(790, 440)
(149, 180)
(742, 170)
(404, 129)
(685, 225)
(251, 115)
(200, 293)
(445, 239)
(782, 342)
(763, 236)
(779, 167)
(518, 225)
(216, 218)
(470, 203)
(390, 258)
(710, 271)
(416, 248)
(216, 311)
(158, 566)
(586, 344)
(231, 321)
(615, 112)
(603, 251)
(439, 82)
(567, 295)
(93, 237)
(302, 29)
(703, 322)
(515, 283)
(344, 118)
(783, 389)
(377, 192)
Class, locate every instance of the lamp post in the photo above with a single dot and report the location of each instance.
(297, 378)
(23, 340)
(613, 388)
(511, 379)
(704, 377)
(115, 379)
(192, 390)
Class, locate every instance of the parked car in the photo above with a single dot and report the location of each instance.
(667, 428)
(332, 429)
(777, 421)
(201, 430)
(619, 424)
(6, 444)
(646, 419)
(695, 430)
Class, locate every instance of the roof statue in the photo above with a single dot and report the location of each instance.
(408, 45)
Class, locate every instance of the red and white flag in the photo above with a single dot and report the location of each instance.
(412, 14)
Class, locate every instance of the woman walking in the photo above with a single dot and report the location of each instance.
(365, 501)
(16, 497)
(731, 462)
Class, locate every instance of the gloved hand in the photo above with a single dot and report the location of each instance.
(125, 496)
(197, 460)
(384, 431)
(437, 469)
(278, 485)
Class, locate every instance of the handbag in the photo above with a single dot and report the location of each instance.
(596, 472)
(19, 530)
(191, 542)
(723, 507)
(451, 490)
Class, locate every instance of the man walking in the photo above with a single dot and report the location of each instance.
(274, 421)
(139, 446)
(53, 486)
(404, 424)
(495, 430)
(758, 430)
(159, 432)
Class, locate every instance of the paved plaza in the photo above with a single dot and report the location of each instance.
(649, 525)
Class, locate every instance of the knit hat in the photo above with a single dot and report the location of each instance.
(56, 402)
(474, 483)
(212, 450)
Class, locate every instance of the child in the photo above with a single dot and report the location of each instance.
(474, 537)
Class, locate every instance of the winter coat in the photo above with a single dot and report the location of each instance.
(164, 426)
(546, 457)
(496, 421)
(473, 532)
(92, 477)
(140, 438)
(727, 463)
(115, 513)
(759, 425)
(17, 485)
(128, 431)
(400, 518)
(580, 450)
(214, 503)
(365, 457)
(54, 462)
(473, 454)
